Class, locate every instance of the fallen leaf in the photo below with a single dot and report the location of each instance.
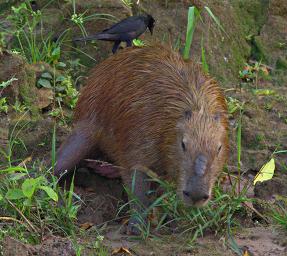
(266, 172)
(121, 250)
(246, 253)
(263, 92)
(86, 225)
(26, 160)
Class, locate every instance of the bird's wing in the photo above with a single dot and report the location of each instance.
(99, 36)
(127, 25)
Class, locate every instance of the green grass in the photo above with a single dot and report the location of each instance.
(33, 205)
(219, 216)
(193, 16)
(31, 196)
(189, 221)
(191, 22)
(279, 213)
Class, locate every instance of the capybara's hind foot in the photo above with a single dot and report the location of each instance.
(134, 226)
(103, 168)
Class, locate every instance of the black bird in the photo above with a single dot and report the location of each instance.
(124, 31)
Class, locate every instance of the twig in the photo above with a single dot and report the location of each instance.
(257, 212)
(11, 219)
(22, 215)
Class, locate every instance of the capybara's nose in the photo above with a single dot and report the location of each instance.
(199, 197)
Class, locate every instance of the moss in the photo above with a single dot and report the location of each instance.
(258, 51)
(251, 14)
(281, 63)
(27, 91)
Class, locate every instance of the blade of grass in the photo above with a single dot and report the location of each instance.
(203, 59)
(216, 20)
(53, 148)
(189, 32)
(238, 141)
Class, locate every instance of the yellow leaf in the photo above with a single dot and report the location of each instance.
(246, 253)
(121, 250)
(266, 172)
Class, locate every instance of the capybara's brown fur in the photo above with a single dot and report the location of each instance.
(148, 107)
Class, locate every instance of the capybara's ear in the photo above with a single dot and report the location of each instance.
(187, 114)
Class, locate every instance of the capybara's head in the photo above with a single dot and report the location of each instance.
(202, 150)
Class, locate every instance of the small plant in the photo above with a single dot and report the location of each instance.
(80, 19)
(138, 42)
(234, 105)
(3, 105)
(29, 196)
(251, 72)
(5, 84)
(31, 42)
(19, 108)
(63, 87)
(279, 212)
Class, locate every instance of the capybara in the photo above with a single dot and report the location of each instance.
(147, 108)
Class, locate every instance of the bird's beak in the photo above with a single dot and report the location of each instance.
(151, 30)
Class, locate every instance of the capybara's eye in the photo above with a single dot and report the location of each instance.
(183, 146)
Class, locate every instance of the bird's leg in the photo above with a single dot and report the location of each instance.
(129, 43)
(116, 46)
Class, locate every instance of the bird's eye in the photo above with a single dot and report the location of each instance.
(219, 149)
(183, 145)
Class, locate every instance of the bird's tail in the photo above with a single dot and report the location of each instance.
(98, 36)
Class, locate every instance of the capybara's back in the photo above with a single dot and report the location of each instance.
(148, 107)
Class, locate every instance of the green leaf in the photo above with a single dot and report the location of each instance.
(28, 187)
(40, 180)
(44, 83)
(60, 78)
(266, 172)
(27, 202)
(1, 197)
(47, 75)
(61, 65)
(60, 89)
(17, 176)
(4, 84)
(14, 194)
(138, 42)
(56, 53)
(50, 192)
(13, 169)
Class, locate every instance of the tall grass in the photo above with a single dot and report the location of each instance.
(193, 15)
(191, 22)
(29, 195)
